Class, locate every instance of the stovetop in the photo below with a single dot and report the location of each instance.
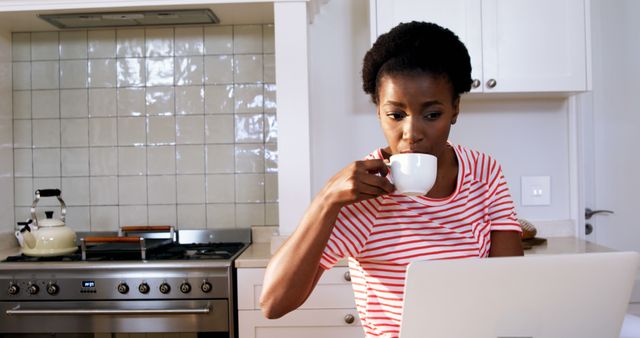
(170, 251)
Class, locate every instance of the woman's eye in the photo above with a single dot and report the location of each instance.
(433, 115)
(395, 115)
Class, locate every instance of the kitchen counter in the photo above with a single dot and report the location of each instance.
(258, 254)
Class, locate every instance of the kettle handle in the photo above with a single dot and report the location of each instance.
(48, 193)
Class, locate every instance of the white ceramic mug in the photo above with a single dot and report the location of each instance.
(413, 174)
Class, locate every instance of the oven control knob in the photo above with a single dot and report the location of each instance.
(185, 287)
(13, 289)
(123, 288)
(165, 288)
(33, 289)
(206, 287)
(144, 288)
(52, 288)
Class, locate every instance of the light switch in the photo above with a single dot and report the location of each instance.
(536, 190)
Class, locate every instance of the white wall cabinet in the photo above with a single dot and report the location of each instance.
(330, 310)
(519, 46)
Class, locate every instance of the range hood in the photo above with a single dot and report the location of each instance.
(134, 18)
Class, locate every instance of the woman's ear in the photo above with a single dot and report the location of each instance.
(456, 110)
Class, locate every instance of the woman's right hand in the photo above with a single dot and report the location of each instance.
(359, 181)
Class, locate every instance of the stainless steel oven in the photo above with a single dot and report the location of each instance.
(185, 286)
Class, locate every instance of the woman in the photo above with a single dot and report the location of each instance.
(415, 75)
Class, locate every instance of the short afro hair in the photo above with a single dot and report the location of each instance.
(417, 47)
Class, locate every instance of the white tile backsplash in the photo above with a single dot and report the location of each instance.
(45, 74)
(102, 102)
(73, 45)
(22, 104)
(73, 73)
(45, 104)
(130, 72)
(132, 161)
(132, 190)
(192, 216)
(102, 73)
(21, 46)
(75, 161)
(189, 41)
(22, 134)
(75, 132)
(74, 103)
(161, 189)
(103, 161)
(218, 69)
(248, 68)
(103, 131)
(160, 125)
(218, 40)
(247, 39)
(161, 160)
(190, 189)
(130, 42)
(160, 100)
(190, 100)
(190, 129)
(221, 216)
(104, 190)
(44, 46)
(133, 215)
(22, 162)
(189, 159)
(101, 44)
(132, 131)
(21, 75)
(46, 162)
(189, 70)
(46, 133)
(131, 101)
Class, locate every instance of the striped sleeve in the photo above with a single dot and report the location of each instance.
(349, 235)
(502, 212)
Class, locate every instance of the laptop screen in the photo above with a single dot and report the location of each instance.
(540, 296)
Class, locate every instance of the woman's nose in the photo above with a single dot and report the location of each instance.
(411, 130)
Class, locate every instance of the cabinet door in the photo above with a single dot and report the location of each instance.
(463, 17)
(301, 323)
(534, 45)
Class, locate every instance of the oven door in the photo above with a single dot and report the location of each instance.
(115, 316)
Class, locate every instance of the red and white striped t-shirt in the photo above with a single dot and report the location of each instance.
(382, 235)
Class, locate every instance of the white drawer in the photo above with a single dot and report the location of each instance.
(332, 292)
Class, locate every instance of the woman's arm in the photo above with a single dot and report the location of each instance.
(505, 243)
(294, 269)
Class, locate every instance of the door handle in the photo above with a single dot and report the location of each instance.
(588, 212)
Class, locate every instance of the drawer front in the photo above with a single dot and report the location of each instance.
(332, 292)
(301, 323)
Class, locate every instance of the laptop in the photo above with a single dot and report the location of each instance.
(539, 296)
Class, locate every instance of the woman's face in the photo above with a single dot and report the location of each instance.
(416, 113)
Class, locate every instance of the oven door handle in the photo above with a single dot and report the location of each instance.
(177, 311)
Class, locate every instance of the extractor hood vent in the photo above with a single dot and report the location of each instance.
(138, 18)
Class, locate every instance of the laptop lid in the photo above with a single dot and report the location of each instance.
(541, 296)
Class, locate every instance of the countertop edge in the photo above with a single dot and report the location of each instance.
(257, 255)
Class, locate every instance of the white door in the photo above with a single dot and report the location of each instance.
(611, 124)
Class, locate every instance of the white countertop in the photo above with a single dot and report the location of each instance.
(258, 254)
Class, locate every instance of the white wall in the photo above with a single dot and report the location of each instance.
(6, 135)
(529, 137)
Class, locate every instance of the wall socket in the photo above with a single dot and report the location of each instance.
(536, 190)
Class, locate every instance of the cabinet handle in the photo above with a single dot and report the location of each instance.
(491, 83)
(475, 83)
(347, 276)
(349, 319)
